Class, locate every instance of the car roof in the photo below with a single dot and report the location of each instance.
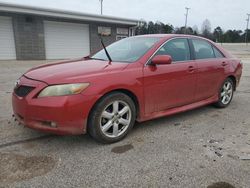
(168, 36)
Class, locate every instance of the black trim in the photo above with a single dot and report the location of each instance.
(23, 91)
(191, 49)
(213, 51)
(214, 47)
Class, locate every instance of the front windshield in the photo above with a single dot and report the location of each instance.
(127, 50)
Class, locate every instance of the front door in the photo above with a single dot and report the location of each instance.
(173, 85)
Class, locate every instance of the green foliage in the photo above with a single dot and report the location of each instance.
(183, 30)
(218, 35)
(154, 28)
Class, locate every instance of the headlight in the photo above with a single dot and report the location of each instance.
(61, 90)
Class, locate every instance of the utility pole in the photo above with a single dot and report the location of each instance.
(246, 39)
(101, 6)
(187, 10)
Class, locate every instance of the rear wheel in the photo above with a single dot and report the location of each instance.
(112, 118)
(226, 93)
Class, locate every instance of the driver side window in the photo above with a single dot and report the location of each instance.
(178, 49)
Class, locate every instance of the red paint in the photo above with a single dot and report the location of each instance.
(160, 89)
(161, 60)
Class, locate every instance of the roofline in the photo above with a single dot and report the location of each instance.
(14, 8)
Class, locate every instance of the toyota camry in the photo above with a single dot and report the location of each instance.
(135, 79)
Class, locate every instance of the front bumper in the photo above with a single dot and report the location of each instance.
(64, 115)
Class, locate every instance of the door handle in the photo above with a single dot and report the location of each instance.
(224, 64)
(191, 69)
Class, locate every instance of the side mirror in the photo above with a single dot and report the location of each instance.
(161, 60)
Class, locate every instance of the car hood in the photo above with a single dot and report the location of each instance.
(73, 71)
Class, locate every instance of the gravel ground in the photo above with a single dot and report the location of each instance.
(198, 148)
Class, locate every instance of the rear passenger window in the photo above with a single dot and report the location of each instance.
(178, 49)
(202, 49)
(217, 53)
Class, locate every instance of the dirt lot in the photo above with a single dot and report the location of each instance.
(193, 149)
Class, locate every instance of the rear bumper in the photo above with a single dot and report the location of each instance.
(65, 115)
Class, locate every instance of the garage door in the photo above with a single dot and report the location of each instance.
(7, 42)
(66, 40)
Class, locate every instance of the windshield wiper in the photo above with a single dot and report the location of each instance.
(104, 47)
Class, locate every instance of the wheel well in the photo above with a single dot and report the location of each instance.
(234, 81)
(124, 91)
(131, 95)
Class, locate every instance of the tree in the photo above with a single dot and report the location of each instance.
(151, 28)
(142, 28)
(218, 34)
(189, 31)
(232, 36)
(168, 28)
(179, 30)
(206, 29)
(243, 36)
(183, 30)
(195, 30)
(159, 27)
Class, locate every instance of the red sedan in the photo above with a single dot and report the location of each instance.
(138, 78)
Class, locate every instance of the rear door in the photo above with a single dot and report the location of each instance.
(210, 68)
(173, 85)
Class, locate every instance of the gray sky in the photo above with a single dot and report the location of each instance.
(229, 14)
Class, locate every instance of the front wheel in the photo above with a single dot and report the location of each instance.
(112, 118)
(226, 93)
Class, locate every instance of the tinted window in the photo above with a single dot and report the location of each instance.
(217, 53)
(202, 49)
(128, 50)
(178, 49)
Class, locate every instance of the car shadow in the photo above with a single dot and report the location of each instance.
(86, 141)
(168, 121)
(174, 119)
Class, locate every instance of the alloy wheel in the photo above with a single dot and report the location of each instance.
(115, 119)
(226, 92)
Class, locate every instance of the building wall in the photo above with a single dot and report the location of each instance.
(95, 44)
(29, 35)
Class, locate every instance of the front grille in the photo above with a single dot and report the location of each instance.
(23, 91)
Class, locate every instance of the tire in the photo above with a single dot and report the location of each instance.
(226, 93)
(112, 118)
